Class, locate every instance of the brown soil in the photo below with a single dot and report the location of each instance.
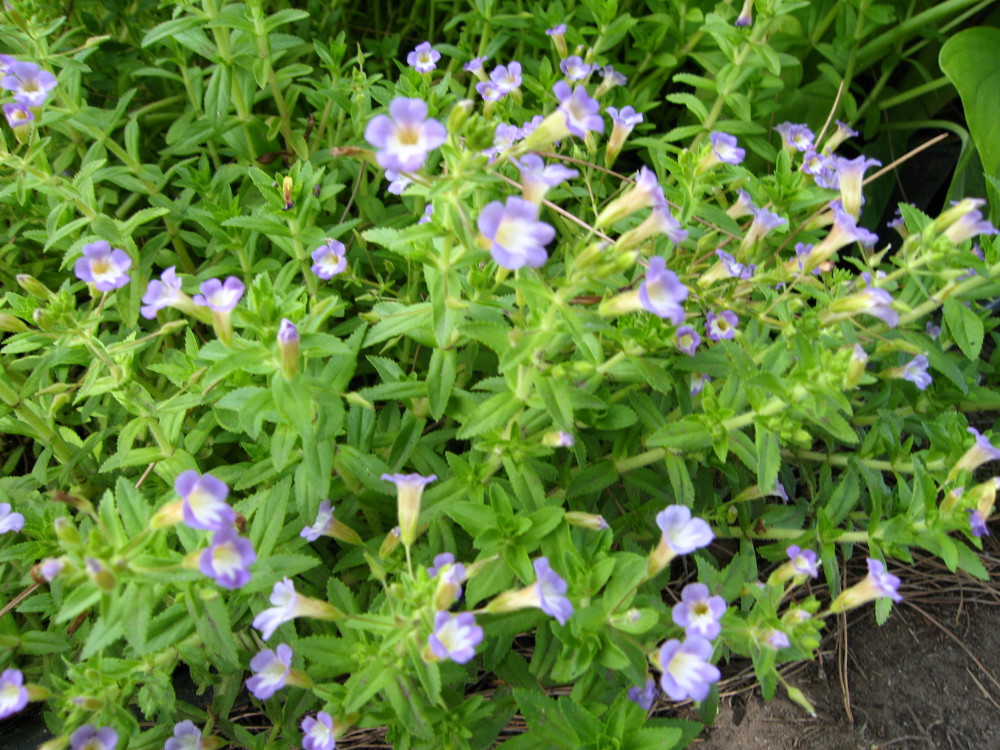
(928, 678)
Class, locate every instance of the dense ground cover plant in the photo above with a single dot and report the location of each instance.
(364, 378)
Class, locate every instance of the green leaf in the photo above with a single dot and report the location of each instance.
(971, 60)
(441, 375)
(653, 739)
(768, 458)
(491, 414)
(965, 326)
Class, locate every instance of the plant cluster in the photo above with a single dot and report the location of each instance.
(398, 399)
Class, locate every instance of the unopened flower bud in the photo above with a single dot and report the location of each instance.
(286, 193)
(288, 343)
(11, 324)
(34, 287)
(590, 521)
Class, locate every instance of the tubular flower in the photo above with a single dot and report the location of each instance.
(289, 605)
(17, 114)
(623, 121)
(796, 137)
(845, 231)
(644, 696)
(745, 18)
(546, 594)
(724, 151)
(221, 298)
(475, 66)
(877, 584)
(318, 733)
(850, 173)
(776, 639)
(577, 115)
(165, 293)
(454, 637)
(609, 79)
(722, 325)
(228, 558)
(686, 671)
(916, 372)
(516, 236)
(10, 521)
(660, 221)
(288, 345)
(405, 136)
(742, 207)
(330, 258)
(103, 266)
(732, 267)
(681, 535)
(13, 694)
(645, 192)
(271, 670)
(89, 737)
(688, 340)
(409, 491)
(423, 58)
(981, 452)
(507, 77)
(574, 68)
(841, 134)
(187, 736)
(763, 222)
(31, 85)
(50, 567)
(558, 34)
(204, 501)
(969, 225)
(801, 563)
(537, 177)
(977, 525)
(491, 91)
(698, 613)
(662, 293)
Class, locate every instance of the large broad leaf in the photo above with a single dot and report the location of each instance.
(971, 60)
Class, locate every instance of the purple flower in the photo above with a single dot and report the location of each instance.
(475, 64)
(969, 225)
(763, 222)
(733, 268)
(490, 91)
(977, 524)
(814, 163)
(686, 671)
(916, 372)
(31, 85)
(428, 213)
(880, 305)
(850, 174)
(50, 567)
(317, 734)
(409, 491)
(662, 293)
(227, 559)
(624, 120)
(13, 694)
(537, 177)
(329, 259)
(742, 207)
(397, 183)
(796, 137)
(323, 524)
(507, 77)
(724, 148)
(163, 293)
(575, 68)
(804, 561)
(218, 296)
(697, 384)
(980, 453)
(288, 333)
(406, 136)
(271, 669)
(505, 136)
(688, 340)
(89, 737)
(645, 696)
(5, 62)
(884, 583)
(721, 325)
(103, 266)
(841, 134)
(187, 736)
(698, 613)
(288, 605)
(10, 521)
(517, 237)
(802, 251)
(682, 534)
(455, 637)
(445, 558)
(556, 30)
(745, 18)
(551, 588)
(609, 79)
(845, 231)
(18, 114)
(582, 113)
(205, 505)
(932, 330)
(776, 639)
(644, 192)
(423, 58)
